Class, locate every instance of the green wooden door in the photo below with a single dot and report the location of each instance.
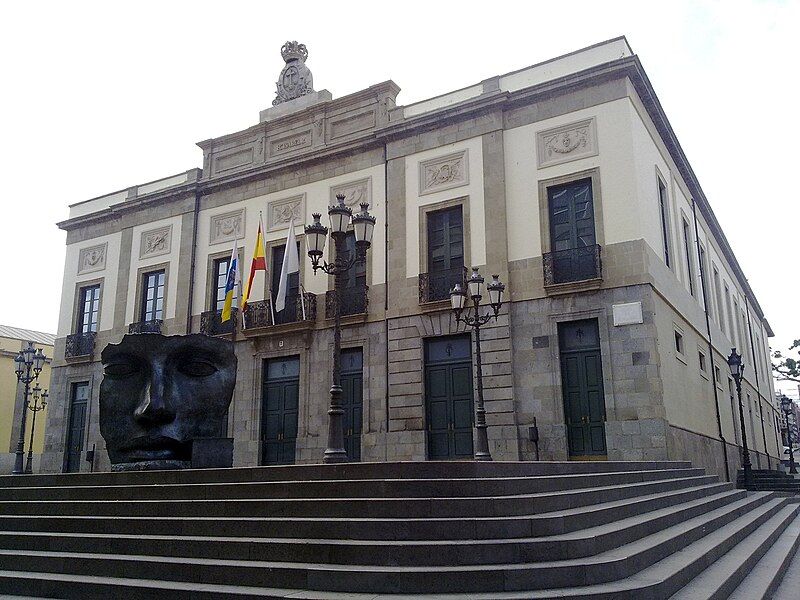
(279, 410)
(449, 397)
(352, 400)
(582, 385)
(79, 402)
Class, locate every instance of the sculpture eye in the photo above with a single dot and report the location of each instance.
(120, 369)
(196, 367)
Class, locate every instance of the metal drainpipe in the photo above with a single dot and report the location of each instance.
(386, 284)
(758, 384)
(192, 262)
(710, 346)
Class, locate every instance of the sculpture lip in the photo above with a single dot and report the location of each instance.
(151, 447)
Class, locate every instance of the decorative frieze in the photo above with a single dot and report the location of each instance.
(226, 227)
(566, 143)
(92, 259)
(156, 242)
(279, 212)
(355, 192)
(443, 172)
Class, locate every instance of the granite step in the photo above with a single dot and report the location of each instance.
(719, 580)
(364, 488)
(586, 542)
(547, 523)
(365, 470)
(747, 513)
(763, 580)
(335, 507)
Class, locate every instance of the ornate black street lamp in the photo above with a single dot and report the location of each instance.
(458, 299)
(316, 234)
(786, 405)
(29, 364)
(37, 393)
(737, 369)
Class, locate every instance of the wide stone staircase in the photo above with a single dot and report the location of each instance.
(643, 530)
(762, 480)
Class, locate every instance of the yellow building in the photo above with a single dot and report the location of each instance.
(12, 340)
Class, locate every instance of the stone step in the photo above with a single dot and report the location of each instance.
(747, 514)
(763, 580)
(587, 542)
(719, 580)
(365, 488)
(790, 583)
(415, 469)
(548, 523)
(477, 506)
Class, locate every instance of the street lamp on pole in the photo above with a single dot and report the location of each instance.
(29, 363)
(37, 393)
(458, 300)
(340, 216)
(737, 369)
(786, 405)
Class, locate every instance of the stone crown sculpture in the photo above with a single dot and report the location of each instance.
(160, 393)
(295, 79)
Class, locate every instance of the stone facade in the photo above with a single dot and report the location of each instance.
(495, 150)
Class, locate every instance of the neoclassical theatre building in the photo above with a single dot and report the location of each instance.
(565, 178)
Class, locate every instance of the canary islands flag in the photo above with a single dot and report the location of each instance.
(231, 283)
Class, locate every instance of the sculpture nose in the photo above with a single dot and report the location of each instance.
(154, 408)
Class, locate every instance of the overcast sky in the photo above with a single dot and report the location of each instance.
(99, 96)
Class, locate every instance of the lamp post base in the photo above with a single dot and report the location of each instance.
(18, 464)
(334, 456)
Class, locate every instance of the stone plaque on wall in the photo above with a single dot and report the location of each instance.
(565, 143)
(443, 172)
(629, 313)
(226, 227)
(292, 142)
(156, 242)
(279, 212)
(355, 192)
(92, 259)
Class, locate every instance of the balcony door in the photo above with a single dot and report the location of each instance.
(573, 239)
(445, 252)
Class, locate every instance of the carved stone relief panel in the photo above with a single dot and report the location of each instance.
(226, 227)
(355, 192)
(443, 172)
(156, 242)
(565, 143)
(279, 212)
(92, 259)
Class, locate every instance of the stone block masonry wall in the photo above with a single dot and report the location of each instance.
(635, 417)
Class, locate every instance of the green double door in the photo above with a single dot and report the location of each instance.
(280, 400)
(449, 397)
(582, 385)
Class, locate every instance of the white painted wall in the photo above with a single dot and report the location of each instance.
(617, 177)
(137, 263)
(72, 280)
(472, 191)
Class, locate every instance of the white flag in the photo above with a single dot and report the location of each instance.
(291, 264)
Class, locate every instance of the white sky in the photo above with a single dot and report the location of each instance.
(99, 96)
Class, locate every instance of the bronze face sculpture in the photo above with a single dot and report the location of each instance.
(159, 393)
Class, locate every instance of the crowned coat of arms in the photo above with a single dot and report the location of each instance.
(295, 79)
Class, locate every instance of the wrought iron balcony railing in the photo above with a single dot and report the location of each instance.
(79, 344)
(575, 264)
(437, 285)
(146, 326)
(355, 301)
(259, 314)
(211, 322)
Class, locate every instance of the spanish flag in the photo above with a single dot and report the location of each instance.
(259, 264)
(231, 283)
